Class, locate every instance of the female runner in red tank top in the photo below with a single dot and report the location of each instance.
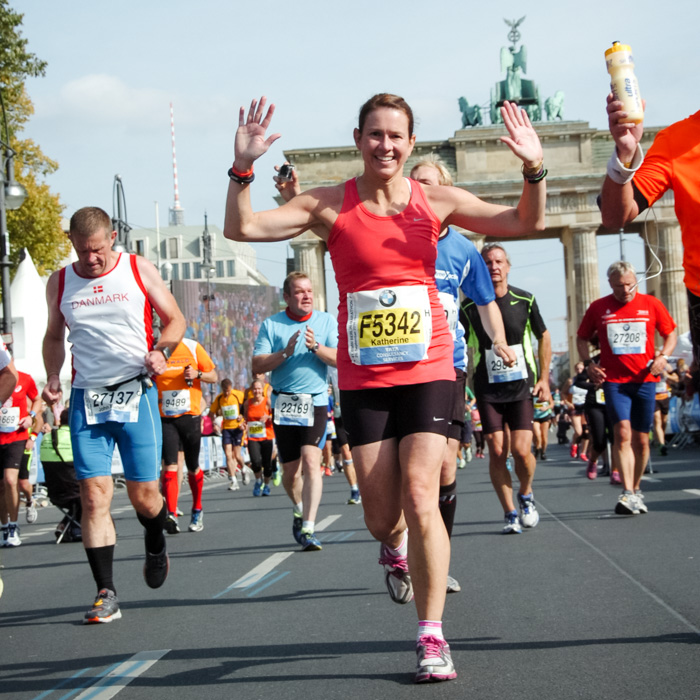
(394, 350)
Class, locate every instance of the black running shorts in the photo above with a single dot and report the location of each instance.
(291, 438)
(372, 415)
(517, 415)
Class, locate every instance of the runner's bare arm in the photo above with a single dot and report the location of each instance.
(617, 204)
(8, 381)
(492, 321)
(659, 364)
(173, 322)
(241, 223)
(53, 349)
(268, 361)
(490, 219)
(544, 353)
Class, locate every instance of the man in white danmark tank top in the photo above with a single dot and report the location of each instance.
(106, 300)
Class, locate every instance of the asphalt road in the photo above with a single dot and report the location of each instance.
(586, 605)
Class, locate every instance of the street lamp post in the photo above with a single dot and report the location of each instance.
(123, 243)
(208, 267)
(12, 196)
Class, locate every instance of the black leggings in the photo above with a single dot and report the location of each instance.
(182, 433)
(260, 452)
(600, 427)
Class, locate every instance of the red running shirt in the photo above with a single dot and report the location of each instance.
(24, 391)
(371, 252)
(626, 335)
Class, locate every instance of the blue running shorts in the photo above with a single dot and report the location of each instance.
(632, 401)
(140, 444)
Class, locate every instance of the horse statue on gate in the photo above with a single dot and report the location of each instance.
(554, 106)
(471, 114)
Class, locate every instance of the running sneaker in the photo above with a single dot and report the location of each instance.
(627, 504)
(277, 478)
(529, 517)
(537, 453)
(297, 523)
(469, 454)
(583, 457)
(663, 450)
(5, 535)
(247, 475)
(592, 471)
(355, 498)
(266, 490)
(641, 505)
(453, 585)
(178, 512)
(615, 478)
(434, 660)
(171, 526)
(233, 484)
(196, 521)
(543, 456)
(155, 569)
(396, 576)
(309, 542)
(512, 526)
(13, 539)
(461, 463)
(32, 513)
(257, 488)
(573, 451)
(104, 609)
(327, 471)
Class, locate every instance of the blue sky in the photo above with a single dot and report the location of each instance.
(103, 107)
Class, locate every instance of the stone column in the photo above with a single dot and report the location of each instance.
(665, 241)
(582, 286)
(308, 257)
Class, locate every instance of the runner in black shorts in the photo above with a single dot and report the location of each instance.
(341, 443)
(504, 394)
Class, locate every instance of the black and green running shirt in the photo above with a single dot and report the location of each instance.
(493, 382)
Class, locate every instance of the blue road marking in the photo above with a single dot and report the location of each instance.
(65, 681)
(269, 583)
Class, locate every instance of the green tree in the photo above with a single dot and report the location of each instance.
(36, 225)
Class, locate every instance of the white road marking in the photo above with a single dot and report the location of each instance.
(694, 492)
(262, 570)
(326, 522)
(620, 570)
(122, 675)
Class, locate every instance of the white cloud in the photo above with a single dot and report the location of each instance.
(105, 99)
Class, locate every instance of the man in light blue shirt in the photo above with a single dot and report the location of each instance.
(296, 346)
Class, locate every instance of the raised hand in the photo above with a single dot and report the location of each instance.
(250, 141)
(522, 139)
(626, 136)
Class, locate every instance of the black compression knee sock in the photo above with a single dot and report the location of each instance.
(448, 505)
(101, 560)
(155, 539)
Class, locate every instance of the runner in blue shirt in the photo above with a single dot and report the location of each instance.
(297, 346)
(459, 266)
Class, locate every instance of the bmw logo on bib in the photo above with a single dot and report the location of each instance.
(387, 297)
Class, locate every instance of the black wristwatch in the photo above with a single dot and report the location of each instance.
(199, 374)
